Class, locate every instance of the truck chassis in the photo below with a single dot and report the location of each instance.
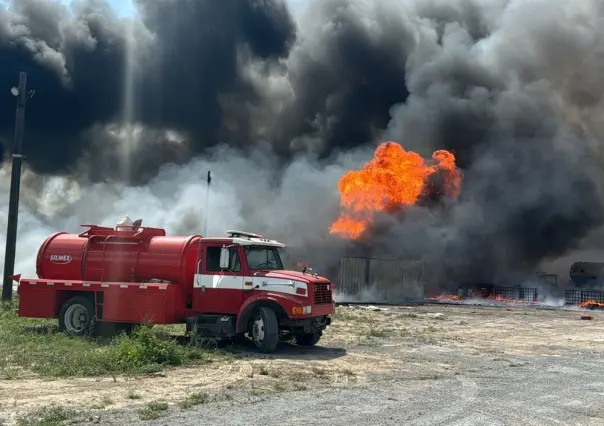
(91, 308)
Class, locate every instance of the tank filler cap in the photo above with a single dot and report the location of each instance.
(124, 220)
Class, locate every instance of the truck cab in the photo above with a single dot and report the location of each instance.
(241, 287)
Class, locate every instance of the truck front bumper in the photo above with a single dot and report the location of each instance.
(311, 311)
(306, 325)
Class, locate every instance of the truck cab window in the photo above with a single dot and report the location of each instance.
(213, 259)
(263, 257)
(234, 262)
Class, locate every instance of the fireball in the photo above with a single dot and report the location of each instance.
(393, 179)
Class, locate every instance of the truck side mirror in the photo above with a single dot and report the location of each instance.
(224, 258)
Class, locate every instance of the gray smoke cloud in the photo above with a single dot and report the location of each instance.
(279, 104)
(509, 98)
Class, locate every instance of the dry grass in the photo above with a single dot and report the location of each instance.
(153, 410)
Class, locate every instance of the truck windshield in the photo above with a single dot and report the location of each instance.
(263, 257)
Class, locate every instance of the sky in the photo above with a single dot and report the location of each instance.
(122, 7)
(126, 7)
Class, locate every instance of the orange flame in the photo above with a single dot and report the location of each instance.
(591, 304)
(394, 178)
(492, 298)
(445, 298)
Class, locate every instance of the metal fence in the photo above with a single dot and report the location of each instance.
(528, 295)
(576, 297)
(392, 279)
(490, 291)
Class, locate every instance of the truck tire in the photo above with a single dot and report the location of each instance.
(76, 316)
(309, 339)
(265, 330)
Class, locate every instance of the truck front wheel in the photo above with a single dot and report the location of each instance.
(309, 339)
(265, 330)
(76, 316)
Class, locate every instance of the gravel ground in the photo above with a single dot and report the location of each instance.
(439, 384)
(547, 391)
(432, 365)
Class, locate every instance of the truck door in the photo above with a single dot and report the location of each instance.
(216, 290)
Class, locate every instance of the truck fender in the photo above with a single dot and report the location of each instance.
(280, 303)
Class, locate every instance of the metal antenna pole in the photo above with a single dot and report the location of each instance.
(15, 187)
(205, 219)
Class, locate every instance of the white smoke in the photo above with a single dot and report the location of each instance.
(295, 204)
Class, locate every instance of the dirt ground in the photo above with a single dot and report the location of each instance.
(364, 349)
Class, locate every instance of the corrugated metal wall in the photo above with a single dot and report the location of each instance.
(392, 279)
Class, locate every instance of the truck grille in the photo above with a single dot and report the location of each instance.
(322, 294)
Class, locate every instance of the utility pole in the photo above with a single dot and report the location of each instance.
(15, 186)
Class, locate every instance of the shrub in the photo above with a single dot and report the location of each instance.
(147, 346)
(36, 345)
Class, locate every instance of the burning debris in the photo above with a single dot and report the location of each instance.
(393, 179)
(446, 298)
(591, 304)
(491, 294)
(584, 299)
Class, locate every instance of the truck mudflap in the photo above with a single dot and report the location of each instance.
(305, 325)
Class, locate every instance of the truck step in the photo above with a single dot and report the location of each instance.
(212, 326)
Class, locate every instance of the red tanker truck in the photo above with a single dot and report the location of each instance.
(220, 287)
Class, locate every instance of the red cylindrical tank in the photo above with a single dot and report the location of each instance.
(116, 258)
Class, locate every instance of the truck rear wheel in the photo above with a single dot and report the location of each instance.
(76, 316)
(265, 330)
(309, 339)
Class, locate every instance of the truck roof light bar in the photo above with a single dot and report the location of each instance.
(235, 234)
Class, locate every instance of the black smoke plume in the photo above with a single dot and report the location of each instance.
(282, 102)
(202, 68)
